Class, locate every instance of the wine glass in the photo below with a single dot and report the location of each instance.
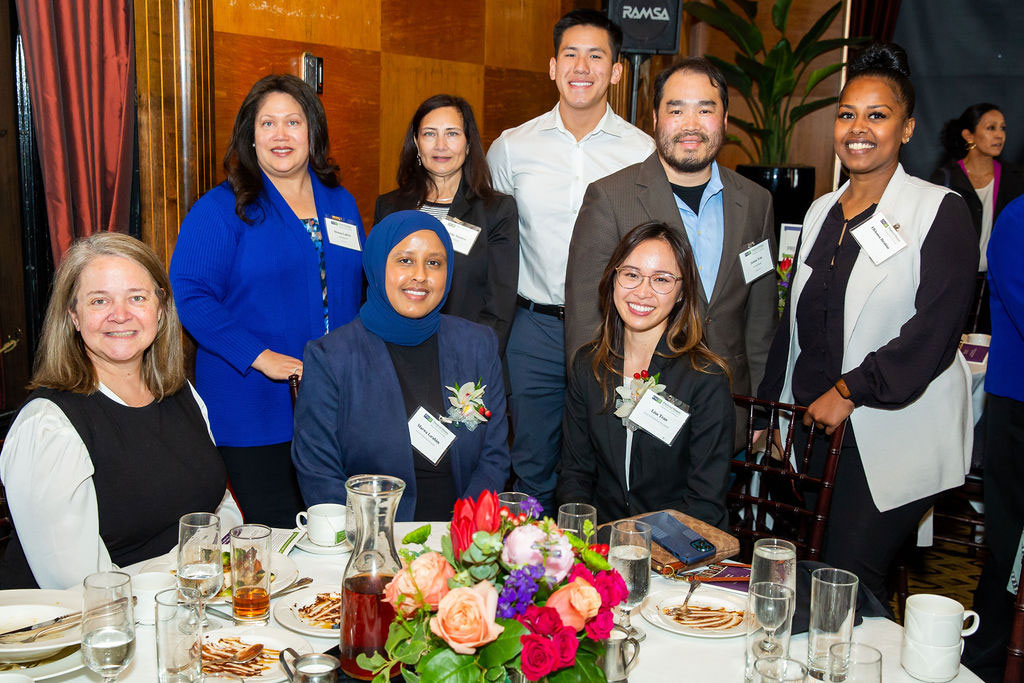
(199, 558)
(573, 517)
(629, 552)
(772, 604)
(513, 500)
(108, 623)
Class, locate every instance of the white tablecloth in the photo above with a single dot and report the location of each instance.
(664, 657)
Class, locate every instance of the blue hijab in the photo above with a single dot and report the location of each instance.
(377, 314)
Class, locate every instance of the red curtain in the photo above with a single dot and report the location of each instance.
(80, 58)
(874, 18)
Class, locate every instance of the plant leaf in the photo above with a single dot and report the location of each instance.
(445, 666)
(506, 646)
(745, 34)
(410, 676)
(371, 663)
(419, 535)
(820, 26)
(585, 670)
(823, 46)
(818, 75)
(780, 13)
(734, 76)
(797, 113)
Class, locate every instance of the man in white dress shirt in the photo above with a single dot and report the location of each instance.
(546, 164)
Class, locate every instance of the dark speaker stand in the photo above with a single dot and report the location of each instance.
(635, 60)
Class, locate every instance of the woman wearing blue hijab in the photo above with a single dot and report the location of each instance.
(373, 385)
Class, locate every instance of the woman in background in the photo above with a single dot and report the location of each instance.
(442, 171)
(265, 262)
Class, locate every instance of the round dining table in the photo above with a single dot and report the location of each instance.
(665, 657)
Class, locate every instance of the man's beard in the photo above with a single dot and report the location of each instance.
(693, 161)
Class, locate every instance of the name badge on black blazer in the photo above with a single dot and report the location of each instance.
(342, 234)
(660, 415)
(429, 436)
(463, 234)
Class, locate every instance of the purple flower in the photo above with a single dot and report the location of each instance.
(518, 591)
(531, 507)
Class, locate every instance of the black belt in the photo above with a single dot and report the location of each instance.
(553, 310)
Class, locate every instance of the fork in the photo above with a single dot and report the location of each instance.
(694, 584)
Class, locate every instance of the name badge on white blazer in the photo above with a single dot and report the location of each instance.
(342, 234)
(657, 415)
(463, 234)
(879, 238)
(756, 261)
(429, 436)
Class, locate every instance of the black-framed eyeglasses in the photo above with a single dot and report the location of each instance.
(629, 277)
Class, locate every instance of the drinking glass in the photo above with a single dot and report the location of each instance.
(769, 622)
(833, 605)
(572, 517)
(199, 558)
(774, 561)
(778, 670)
(108, 623)
(179, 635)
(250, 572)
(854, 663)
(513, 500)
(630, 554)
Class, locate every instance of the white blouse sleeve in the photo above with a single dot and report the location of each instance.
(47, 473)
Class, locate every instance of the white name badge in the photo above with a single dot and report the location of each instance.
(429, 436)
(878, 237)
(463, 234)
(658, 416)
(756, 261)
(342, 234)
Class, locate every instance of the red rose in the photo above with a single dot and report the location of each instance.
(600, 627)
(462, 534)
(579, 569)
(611, 587)
(539, 656)
(541, 620)
(565, 642)
(487, 514)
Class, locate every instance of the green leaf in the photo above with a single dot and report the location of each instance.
(482, 572)
(756, 70)
(780, 62)
(448, 551)
(413, 650)
(594, 561)
(744, 34)
(495, 674)
(371, 663)
(780, 12)
(382, 676)
(445, 666)
(749, 7)
(410, 676)
(399, 632)
(585, 670)
(797, 113)
(734, 76)
(820, 26)
(419, 535)
(506, 646)
(818, 75)
(823, 46)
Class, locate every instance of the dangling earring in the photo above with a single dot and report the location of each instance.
(254, 145)
(419, 162)
(971, 145)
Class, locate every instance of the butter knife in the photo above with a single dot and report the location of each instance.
(24, 630)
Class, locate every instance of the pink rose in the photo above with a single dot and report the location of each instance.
(431, 572)
(560, 558)
(611, 587)
(465, 618)
(522, 546)
(565, 643)
(541, 620)
(539, 657)
(600, 627)
(575, 602)
(400, 593)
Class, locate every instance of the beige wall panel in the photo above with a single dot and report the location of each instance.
(518, 33)
(404, 83)
(438, 29)
(342, 23)
(351, 100)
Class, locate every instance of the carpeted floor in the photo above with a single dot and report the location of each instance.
(944, 569)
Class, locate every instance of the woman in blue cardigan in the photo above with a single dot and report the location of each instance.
(265, 262)
(374, 391)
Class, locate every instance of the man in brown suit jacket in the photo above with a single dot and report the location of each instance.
(691, 101)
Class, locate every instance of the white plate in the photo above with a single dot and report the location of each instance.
(305, 544)
(705, 596)
(272, 638)
(286, 611)
(25, 607)
(282, 567)
(66, 664)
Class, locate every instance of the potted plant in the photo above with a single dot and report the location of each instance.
(767, 77)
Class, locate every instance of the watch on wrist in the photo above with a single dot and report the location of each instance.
(843, 390)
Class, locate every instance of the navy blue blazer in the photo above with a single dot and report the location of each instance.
(350, 417)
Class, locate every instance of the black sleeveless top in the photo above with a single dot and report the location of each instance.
(151, 465)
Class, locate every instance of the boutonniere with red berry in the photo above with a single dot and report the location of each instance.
(629, 396)
(467, 405)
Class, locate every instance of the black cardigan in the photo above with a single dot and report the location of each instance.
(1011, 186)
(485, 281)
(690, 476)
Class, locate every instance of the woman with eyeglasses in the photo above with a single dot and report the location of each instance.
(650, 339)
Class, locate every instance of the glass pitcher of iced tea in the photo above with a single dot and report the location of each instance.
(365, 617)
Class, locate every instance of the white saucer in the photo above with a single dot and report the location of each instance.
(305, 544)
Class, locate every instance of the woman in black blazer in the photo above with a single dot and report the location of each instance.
(650, 328)
(443, 172)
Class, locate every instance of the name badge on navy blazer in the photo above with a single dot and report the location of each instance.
(429, 436)
(879, 238)
(463, 234)
(342, 234)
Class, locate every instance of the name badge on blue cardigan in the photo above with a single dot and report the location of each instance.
(342, 234)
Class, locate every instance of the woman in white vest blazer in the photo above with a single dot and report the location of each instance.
(879, 296)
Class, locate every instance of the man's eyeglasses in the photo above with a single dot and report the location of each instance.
(628, 277)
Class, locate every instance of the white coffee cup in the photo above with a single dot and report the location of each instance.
(145, 586)
(931, 663)
(937, 620)
(324, 524)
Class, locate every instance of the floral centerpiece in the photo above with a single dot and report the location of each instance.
(507, 593)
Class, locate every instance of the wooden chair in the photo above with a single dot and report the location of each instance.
(756, 515)
(293, 388)
(1015, 648)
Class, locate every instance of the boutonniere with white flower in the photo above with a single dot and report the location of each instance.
(467, 405)
(629, 396)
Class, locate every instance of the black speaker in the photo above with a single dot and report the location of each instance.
(649, 27)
